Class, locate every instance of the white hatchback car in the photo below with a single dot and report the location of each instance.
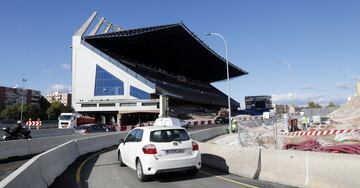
(159, 149)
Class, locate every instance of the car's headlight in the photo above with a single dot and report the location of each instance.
(4, 137)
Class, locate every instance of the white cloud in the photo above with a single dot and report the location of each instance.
(308, 86)
(343, 85)
(66, 66)
(60, 88)
(303, 99)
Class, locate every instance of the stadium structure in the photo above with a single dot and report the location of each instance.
(132, 75)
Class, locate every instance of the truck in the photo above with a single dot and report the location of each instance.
(73, 120)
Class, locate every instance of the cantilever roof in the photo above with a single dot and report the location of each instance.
(172, 47)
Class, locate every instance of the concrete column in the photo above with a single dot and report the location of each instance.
(85, 26)
(164, 106)
(106, 30)
(97, 26)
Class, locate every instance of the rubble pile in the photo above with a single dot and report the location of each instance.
(347, 116)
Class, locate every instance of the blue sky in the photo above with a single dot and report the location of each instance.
(320, 39)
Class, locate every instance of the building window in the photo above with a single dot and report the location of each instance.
(149, 104)
(88, 105)
(138, 93)
(127, 104)
(106, 104)
(107, 84)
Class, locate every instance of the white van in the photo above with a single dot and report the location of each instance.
(168, 121)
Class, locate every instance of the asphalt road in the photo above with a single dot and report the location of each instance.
(62, 132)
(9, 166)
(102, 170)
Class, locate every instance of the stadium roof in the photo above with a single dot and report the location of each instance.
(173, 48)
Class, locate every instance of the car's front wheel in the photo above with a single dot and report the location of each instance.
(140, 173)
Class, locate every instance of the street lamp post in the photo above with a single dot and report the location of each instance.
(22, 99)
(227, 73)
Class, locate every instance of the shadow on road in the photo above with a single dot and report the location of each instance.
(214, 162)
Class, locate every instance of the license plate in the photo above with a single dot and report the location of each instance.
(175, 151)
(64, 126)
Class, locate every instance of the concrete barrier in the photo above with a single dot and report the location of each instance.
(46, 132)
(55, 161)
(231, 159)
(34, 146)
(41, 170)
(97, 143)
(333, 170)
(28, 175)
(283, 166)
(14, 148)
(206, 134)
(293, 168)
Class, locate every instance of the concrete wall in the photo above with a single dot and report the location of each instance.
(205, 134)
(293, 168)
(46, 132)
(34, 146)
(42, 169)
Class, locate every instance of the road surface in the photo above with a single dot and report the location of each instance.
(102, 169)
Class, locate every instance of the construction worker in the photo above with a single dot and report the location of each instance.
(234, 124)
(304, 121)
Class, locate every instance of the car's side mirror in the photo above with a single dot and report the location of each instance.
(121, 141)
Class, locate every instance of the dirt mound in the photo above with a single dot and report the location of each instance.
(349, 112)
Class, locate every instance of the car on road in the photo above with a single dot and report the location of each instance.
(159, 149)
(184, 124)
(221, 120)
(93, 128)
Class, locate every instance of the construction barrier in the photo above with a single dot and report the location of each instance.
(319, 132)
(200, 122)
(36, 124)
(192, 123)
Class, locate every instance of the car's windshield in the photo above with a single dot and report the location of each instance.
(169, 135)
(65, 117)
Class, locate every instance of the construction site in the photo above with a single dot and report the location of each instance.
(338, 134)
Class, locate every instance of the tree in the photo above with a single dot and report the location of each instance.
(32, 111)
(331, 105)
(312, 104)
(54, 110)
(11, 112)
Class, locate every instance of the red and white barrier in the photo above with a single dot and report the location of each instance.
(317, 133)
(124, 128)
(200, 122)
(248, 118)
(36, 124)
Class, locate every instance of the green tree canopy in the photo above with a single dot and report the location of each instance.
(331, 104)
(56, 108)
(313, 104)
(11, 112)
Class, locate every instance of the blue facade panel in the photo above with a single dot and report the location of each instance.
(107, 84)
(138, 93)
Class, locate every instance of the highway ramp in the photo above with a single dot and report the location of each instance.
(102, 170)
